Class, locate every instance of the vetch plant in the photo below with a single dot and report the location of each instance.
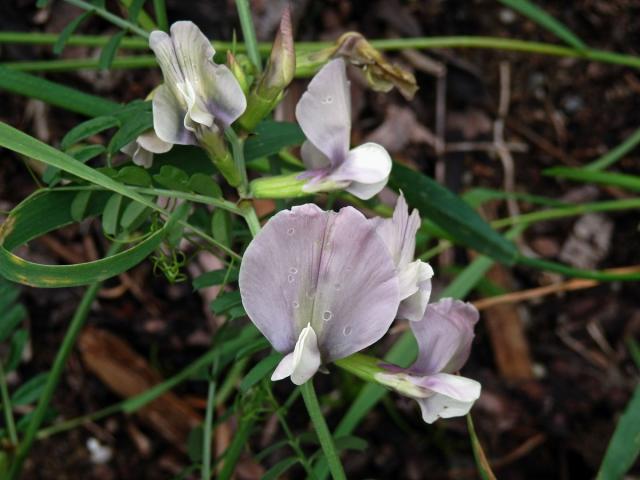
(322, 286)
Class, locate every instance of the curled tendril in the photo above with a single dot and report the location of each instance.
(170, 265)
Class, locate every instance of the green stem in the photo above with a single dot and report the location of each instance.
(562, 212)
(541, 264)
(324, 436)
(65, 65)
(250, 217)
(6, 407)
(77, 322)
(231, 380)
(193, 197)
(249, 33)
(110, 17)
(161, 15)
(208, 431)
(232, 454)
(237, 149)
(305, 70)
(294, 442)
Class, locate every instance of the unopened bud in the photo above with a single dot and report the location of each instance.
(277, 76)
(236, 68)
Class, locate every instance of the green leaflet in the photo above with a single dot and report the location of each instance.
(270, 137)
(53, 276)
(452, 214)
(54, 93)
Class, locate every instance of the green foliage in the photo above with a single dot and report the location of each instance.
(539, 16)
(452, 214)
(624, 446)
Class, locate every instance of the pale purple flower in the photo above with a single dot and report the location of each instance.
(141, 150)
(324, 114)
(399, 234)
(319, 285)
(197, 94)
(444, 339)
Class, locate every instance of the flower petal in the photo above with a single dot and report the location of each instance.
(162, 46)
(418, 287)
(324, 111)
(357, 292)
(313, 158)
(368, 163)
(303, 362)
(365, 191)
(192, 51)
(399, 232)
(151, 142)
(324, 268)
(225, 98)
(169, 117)
(444, 336)
(454, 396)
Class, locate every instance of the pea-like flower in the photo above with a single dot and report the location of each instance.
(142, 149)
(444, 339)
(319, 285)
(197, 94)
(324, 114)
(399, 234)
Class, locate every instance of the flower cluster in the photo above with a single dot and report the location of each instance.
(322, 286)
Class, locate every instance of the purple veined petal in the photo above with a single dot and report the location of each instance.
(399, 232)
(356, 293)
(324, 111)
(197, 112)
(225, 98)
(169, 117)
(453, 396)
(413, 306)
(277, 269)
(326, 269)
(313, 158)
(444, 336)
(193, 51)
(162, 46)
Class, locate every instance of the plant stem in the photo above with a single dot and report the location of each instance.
(65, 65)
(249, 33)
(207, 431)
(6, 407)
(77, 322)
(324, 436)
(110, 17)
(161, 15)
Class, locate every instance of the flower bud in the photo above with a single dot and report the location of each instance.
(238, 71)
(277, 76)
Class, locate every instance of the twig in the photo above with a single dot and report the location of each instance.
(498, 138)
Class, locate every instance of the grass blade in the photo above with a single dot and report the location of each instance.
(624, 446)
(542, 18)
